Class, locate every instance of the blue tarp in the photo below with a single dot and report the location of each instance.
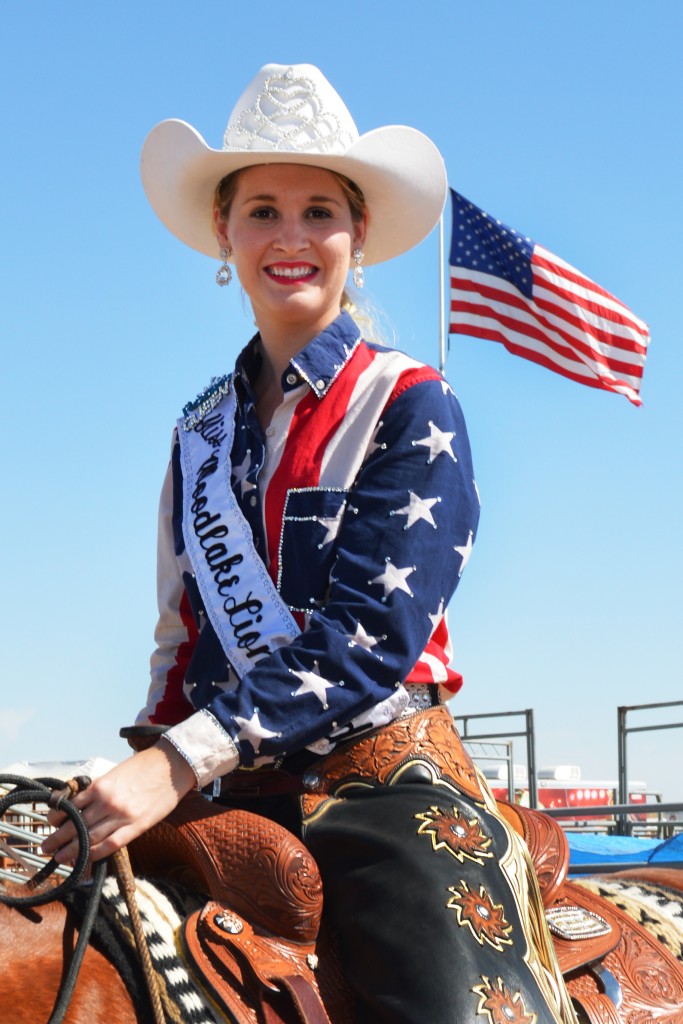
(593, 848)
(672, 849)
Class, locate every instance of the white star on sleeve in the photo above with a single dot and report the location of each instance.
(437, 617)
(419, 508)
(252, 731)
(393, 578)
(312, 682)
(240, 474)
(331, 524)
(438, 441)
(464, 550)
(362, 639)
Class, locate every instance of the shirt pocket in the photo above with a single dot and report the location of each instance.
(311, 520)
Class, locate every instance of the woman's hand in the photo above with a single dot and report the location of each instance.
(124, 803)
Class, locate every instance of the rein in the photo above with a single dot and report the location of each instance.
(58, 795)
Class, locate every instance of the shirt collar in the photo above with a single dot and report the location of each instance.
(318, 364)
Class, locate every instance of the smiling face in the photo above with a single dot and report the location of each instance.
(291, 231)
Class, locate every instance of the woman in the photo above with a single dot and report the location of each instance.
(318, 511)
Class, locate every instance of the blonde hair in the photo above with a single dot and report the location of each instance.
(365, 317)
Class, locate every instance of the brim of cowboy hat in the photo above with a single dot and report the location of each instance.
(400, 171)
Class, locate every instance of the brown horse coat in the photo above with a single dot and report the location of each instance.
(36, 946)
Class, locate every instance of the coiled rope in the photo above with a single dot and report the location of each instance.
(57, 795)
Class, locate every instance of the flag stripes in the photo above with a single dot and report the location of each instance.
(562, 320)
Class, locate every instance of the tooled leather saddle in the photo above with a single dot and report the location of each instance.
(257, 946)
(614, 969)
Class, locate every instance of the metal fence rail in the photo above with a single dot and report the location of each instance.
(624, 730)
(609, 867)
(613, 810)
(527, 732)
(485, 752)
(21, 833)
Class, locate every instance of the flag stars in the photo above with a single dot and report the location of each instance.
(394, 578)
(436, 618)
(417, 508)
(438, 442)
(240, 474)
(331, 524)
(464, 550)
(252, 731)
(362, 639)
(313, 682)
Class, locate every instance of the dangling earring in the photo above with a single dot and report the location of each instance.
(224, 273)
(358, 276)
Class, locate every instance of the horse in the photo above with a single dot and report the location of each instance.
(36, 949)
(267, 889)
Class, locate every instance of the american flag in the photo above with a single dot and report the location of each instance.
(507, 288)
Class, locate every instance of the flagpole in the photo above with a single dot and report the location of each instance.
(442, 303)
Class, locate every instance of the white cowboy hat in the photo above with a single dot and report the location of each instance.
(291, 114)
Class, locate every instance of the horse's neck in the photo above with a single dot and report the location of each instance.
(35, 944)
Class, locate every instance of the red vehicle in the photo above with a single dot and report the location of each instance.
(562, 786)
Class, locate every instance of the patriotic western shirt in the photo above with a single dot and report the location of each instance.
(361, 500)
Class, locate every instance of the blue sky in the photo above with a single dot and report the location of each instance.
(563, 121)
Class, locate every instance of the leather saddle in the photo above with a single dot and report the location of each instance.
(257, 946)
(614, 969)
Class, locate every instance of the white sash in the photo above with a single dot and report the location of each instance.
(250, 618)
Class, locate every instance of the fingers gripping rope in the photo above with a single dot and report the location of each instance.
(57, 795)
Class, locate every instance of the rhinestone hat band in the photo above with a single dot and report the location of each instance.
(290, 115)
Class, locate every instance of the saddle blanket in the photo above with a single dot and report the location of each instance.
(656, 908)
(162, 910)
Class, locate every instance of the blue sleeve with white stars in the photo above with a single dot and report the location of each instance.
(402, 543)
